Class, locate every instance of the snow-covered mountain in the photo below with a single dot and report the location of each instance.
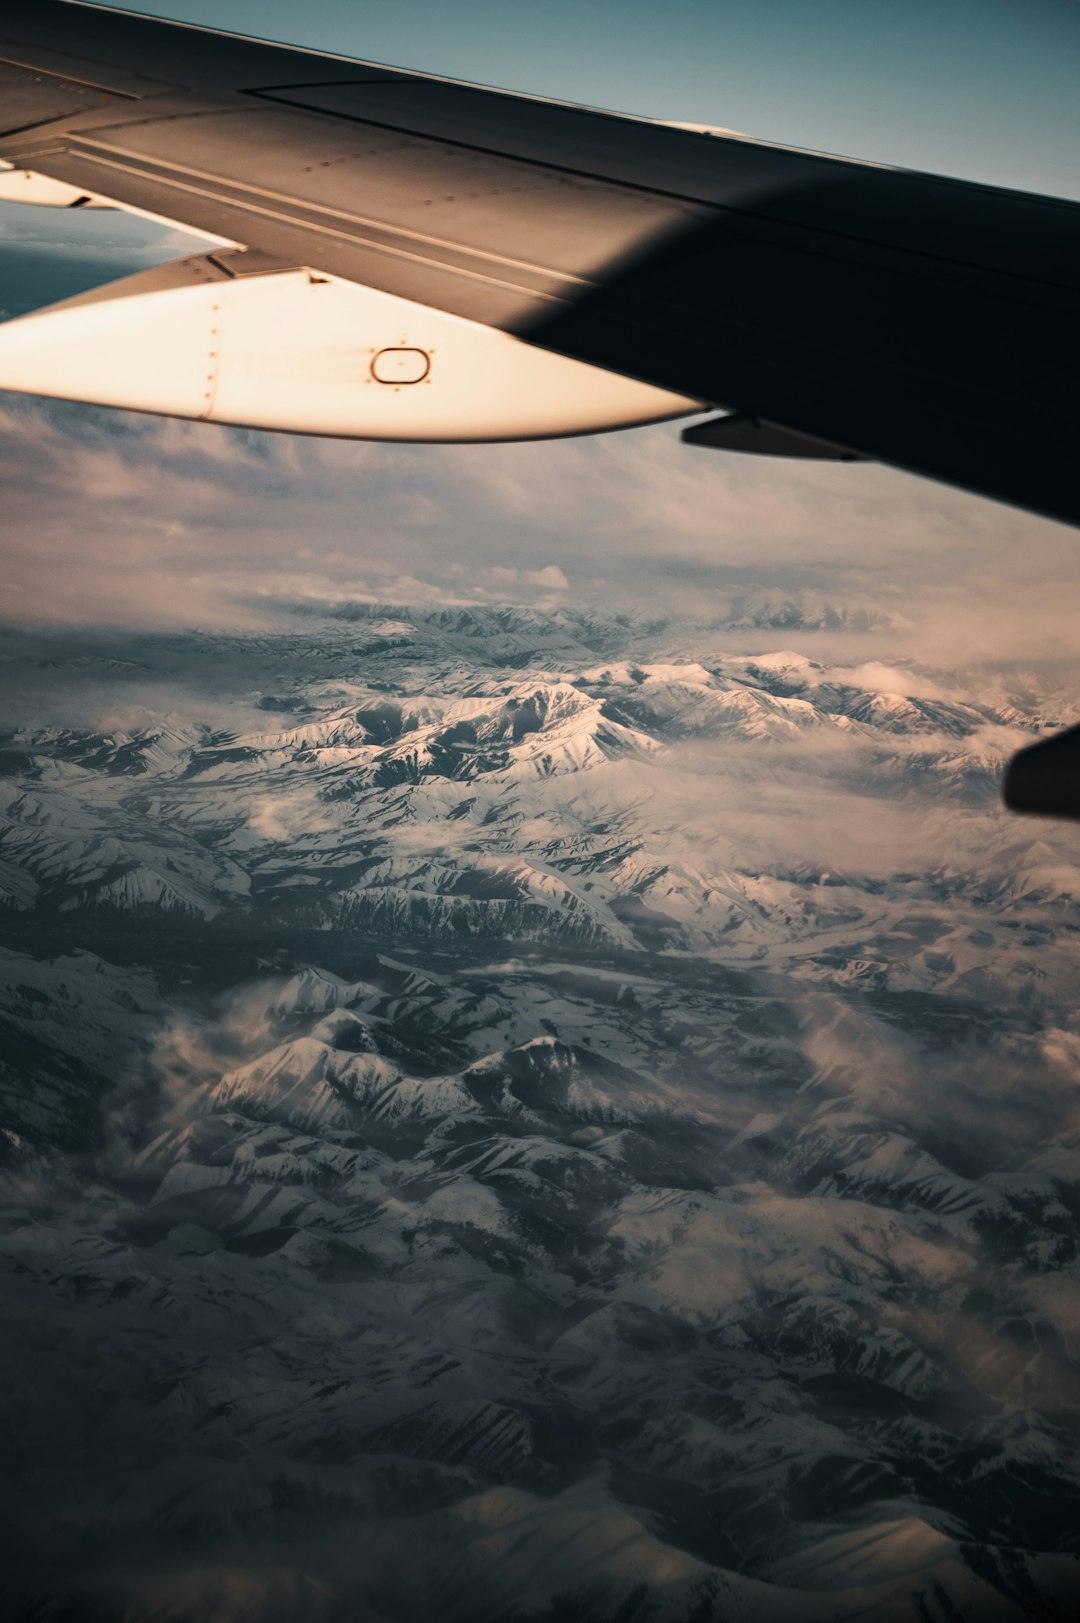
(514, 1115)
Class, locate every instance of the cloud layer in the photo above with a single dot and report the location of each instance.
(114, 519)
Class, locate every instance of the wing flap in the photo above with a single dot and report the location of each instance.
(29, 100)
(367, 253)
(975, 227)
(517, 217)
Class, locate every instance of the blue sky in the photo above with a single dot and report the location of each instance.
(982, 88)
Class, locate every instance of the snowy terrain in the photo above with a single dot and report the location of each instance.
(515, 1114)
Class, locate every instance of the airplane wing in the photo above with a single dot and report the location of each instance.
(404, 256)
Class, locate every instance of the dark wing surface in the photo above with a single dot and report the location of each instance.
(922, 322)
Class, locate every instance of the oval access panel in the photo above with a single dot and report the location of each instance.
(401, 366)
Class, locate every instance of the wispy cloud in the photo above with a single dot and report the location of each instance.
(115, 519)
